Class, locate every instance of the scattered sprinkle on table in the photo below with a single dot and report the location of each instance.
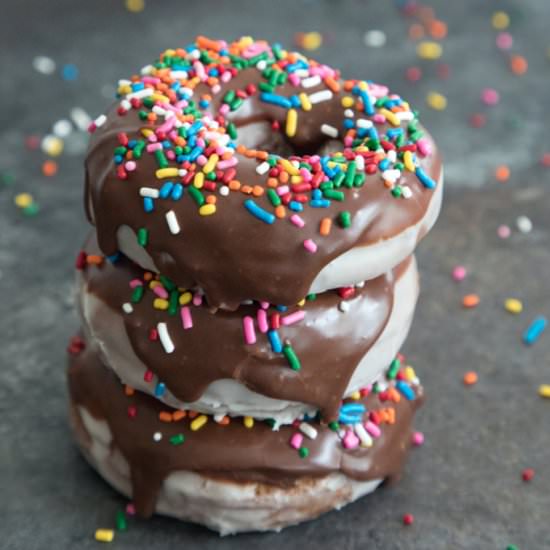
(524, 224)
(544, 391)
(408, 519)
(375, 38)
(513, 305)
(104, 535)
(489, 96)
(459, 273)
(470, 300)
(470, 378)
(528, 474)
(436, 101)
(500, 20)
(429, 50)
(502, 173)
(504, 231)
(535, 329)
(135, 6)
(417, 439)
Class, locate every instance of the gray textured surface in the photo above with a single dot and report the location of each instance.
(464, 486)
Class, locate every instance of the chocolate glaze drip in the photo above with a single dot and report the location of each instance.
(328, 342)
(233, 452)
(232, 255)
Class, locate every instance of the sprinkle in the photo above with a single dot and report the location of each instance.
(157, 436)
(470, 378)
(500, 20)
(312, 40)
(436, 101)
(23, 200)
(165, 339)
(120, 521)
(344, 219)
(373, 429)
(544, 391)
(374, 39)
(424, 178)
(513, 305)
(166, 173)
(429, 50)
(303, 452)
(535, 329)
(274, 99)
(248, 422)
(172, 222)
(308, 430)
(149, 192)
(186, 320)
(459, 273)
(405, 389)
(44, 65)
(502, 173)
(350, 440)
(503, 231)
(275, 341)
(528, 474)
(417, 439)
(361, 433)
(104, 535)
(490, 96)
(297, 220)
(291, 357)
(293, 318)
(325, 226)
(259, 212)
(263, 168)
(296, 440)
(408, 519)
(177, 439)
(504, 40)
(135, 6)
(319, 97)
(329, 130)
(470, 300)
(207, 209)
(199, 422)
(524, 224)
(249, 330)
(311, 82)
(291, 122)
(127, 308)
(310, 246)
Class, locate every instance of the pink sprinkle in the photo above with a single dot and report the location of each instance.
(373, 429)
(186, 318)
(418, 439)
(292, 318)
(170, 155)
(296, 441)
(348, 141)
(201, 160)
(261, 317)
(135, 282)
(350, 441)
(294, 79)
(459, 273)
(297, 220)
(223, 164)
(130, 166)
(310, 246)
(378, 118)
(152, 147)
(504, 40)
(197, 299)
(264, 305)
(424, 147)
(504, 231)
(226, 77)
(249, 331)
(131, 509)
(224, 109)
(148, 376)
(282, 190)
(490, 96)
(160, 291)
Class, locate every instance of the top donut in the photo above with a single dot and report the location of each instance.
(256, 173)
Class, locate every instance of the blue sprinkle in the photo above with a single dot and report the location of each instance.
(275, 341)
(119, 159)
(349, 418)
(536, 328)
(348, 123)
(317, 194)
(203, 103)
(176, 85)
(177, 192)
(166, 189)
(282, 308)
(194, 128)
(195, 154)
(357, 408)
(259, 212)
(424, 178)
(369, 109)
(392, 133)
(69, 72)
(137, 86)
(166, 144)
(384, 164)
(132, 143)
(373, 132)
(148, 204)
(319, 203)
(296, 206)
(295, 100)
(114, 258)
(160, 388)
(405, 389)
(275, 99)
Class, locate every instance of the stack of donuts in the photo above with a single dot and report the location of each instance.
(248, 285)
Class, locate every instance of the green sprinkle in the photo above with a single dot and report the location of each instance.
(265, 87)
(344, 219)
(120, 150)
(120, 521)
(332, 194)
(142, 115)
(277, 52)
(173, 303)
(338, 179)
(273, 197)
(236, 103)
(397, 192)
(196, 195)
(142, 236)
(350, 174)
(376, 388)
(270, 422)
(373, 144)
(7, 178)
(334, 426)
(291, 357)
(303, 452)
(229, 96)
(311, 297)
(137, 294)
(32, 209)
(177, 439)
(395, 365)
(162, 161)
(232, 130)
(359, 180)
(167, 283)
(137, 151)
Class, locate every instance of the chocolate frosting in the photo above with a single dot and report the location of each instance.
(232, 452)
(328, 342)
(232, 255)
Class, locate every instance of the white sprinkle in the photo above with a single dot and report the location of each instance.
(182, 172)
(308, 429)
(261, 65)
(157, 436)
(127, 307)
(124, 82)
(263, 168)
(194, 54)
(364, 437)
(392, 156)
(364, 123)
(406, 192)
(404, 115)
(374, 38)
(172, 222)
(165, 339)
(125, 104)
(524, 224)
(219, 417)
(43, 64)
(319, 97)
(382, 385)
(100, 121)
(360, 284)
(302, 73)
(224, 191)
(146, 92)
(62, 128)
(329, 130)
(158, 110)
(148, 69)
(179, 74)
(349, 113)
(342, 433)
(311, 81)
(343, 306)
(360, 163)
(149, 192)
(80, 118)
(391, 175)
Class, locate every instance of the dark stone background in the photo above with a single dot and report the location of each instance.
(464, 486)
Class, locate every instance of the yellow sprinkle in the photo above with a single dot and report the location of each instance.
(291, 122)
(390, 117)
(363, 85)
(207, 209)
(166, 172)
(124, 89)
(211, 164)
(348, 101)
(198, 180)
(146, 132)
(436, 101)
(199, 422)
(312, 40)
(23, 200)
(513, 305)
(500, 20)
(135, 6)
(160, 97)
(544, 391)
(429, 50)
(408, 161)
(301, 302)
(160, 303)
(185, 298)
(356, 395)
(52, 145)
(305, 102)
(248, 422)
(409, 373)
(289, 167)
(153, 284)
(169, 52)
(104, 535)
(296, 179)
(246, 41)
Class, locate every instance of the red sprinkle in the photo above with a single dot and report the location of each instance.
(132, 411)
(408, 519)
(528, 474)
(80, 262)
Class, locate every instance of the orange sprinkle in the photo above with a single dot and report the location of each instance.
(225, 421)
(211, 199)
(262, 155)
(470, 378)
(128, 390)
(470, 300)
(147, 276)
(165, 416)
(241, 149)
(208, 44)
(272, 182)
(94, 259)
(502, 172)
(234, 185)
(348, 85)
(280, 211)
(258, 191)
(193, 414)
(178, 415)
(283, 177)
(247, 189)
(325, 226)
(332, 84)
(394, 395)
(518, 64)
(416, 31)
(438, 29)
(49, 168)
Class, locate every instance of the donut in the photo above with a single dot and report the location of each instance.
(343, 340)
(230, 476)
(255, 173)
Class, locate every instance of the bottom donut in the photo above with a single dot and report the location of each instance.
(236, 474)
